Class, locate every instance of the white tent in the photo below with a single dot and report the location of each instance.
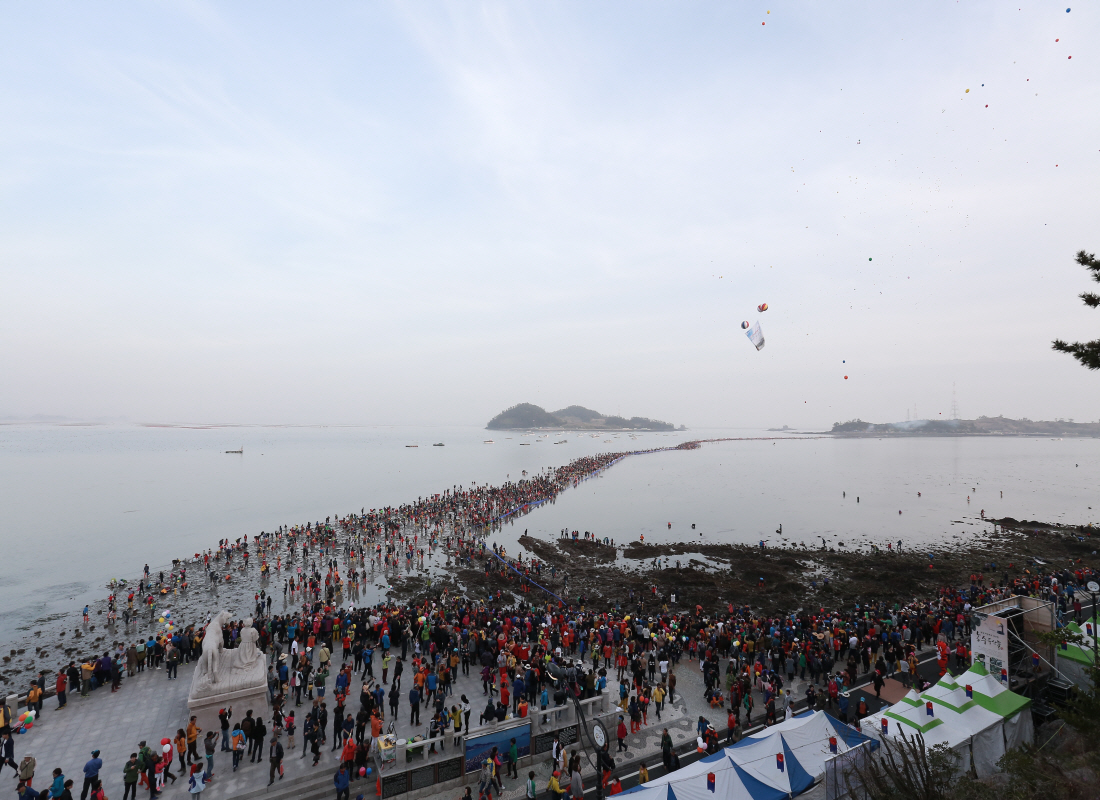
(1075, 661)
(992, 695)
(973, 714)
(914, 719)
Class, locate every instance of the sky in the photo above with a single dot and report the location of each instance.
(423, 213)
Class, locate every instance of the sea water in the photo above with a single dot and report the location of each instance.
(80, 505)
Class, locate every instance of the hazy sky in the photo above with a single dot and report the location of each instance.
(426, 212)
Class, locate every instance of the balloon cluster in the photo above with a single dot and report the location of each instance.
(25, 722)
(762, 307)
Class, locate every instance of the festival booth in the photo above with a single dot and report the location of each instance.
(782, 761)
(1005, 637)
(1074, 661)
(973, 714)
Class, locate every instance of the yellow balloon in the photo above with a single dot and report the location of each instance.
(161, 619)
(968, 91)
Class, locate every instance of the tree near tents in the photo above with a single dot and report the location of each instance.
(903, 769)
(1088, 353)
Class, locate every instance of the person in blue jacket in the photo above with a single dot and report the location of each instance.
(342, 783)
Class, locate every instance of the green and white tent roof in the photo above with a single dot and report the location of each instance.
(986, 692)
(1080, 654)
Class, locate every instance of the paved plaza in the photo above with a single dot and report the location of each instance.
(149, 707)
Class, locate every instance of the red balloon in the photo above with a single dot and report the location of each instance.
(845, 377)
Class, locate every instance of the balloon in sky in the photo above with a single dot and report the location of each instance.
(756, 336)
(845, 377)
(745, 325)
(762, 307)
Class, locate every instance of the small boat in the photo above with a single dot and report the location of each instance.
(241, 451)
(488, 441)
(524, 444)
(412, 445)
(438, 444)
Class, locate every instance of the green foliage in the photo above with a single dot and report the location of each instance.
(1088, 353)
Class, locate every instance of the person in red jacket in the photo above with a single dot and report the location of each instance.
(60, 686)
(620, 734)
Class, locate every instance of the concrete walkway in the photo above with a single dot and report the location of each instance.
(149, 707)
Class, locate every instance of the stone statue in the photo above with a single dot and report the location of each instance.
(228, 677)
(222, 671)
(213, 651)
(247, 653)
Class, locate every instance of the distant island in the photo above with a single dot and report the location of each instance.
(526, 416)
(982, 426)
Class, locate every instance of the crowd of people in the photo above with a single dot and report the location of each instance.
(406, 659)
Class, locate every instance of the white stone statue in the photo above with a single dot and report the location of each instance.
(213, 650)
(247, 653)
(221, 671)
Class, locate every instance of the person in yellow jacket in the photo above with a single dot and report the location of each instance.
(193, 731)
(34, 697)
(554, 787)
(658, 699)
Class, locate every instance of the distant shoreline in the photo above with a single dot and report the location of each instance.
(982, 426)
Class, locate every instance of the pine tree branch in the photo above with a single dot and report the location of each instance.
(1088, 353)
(1089, 262)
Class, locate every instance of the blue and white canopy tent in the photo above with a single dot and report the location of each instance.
(780, 762)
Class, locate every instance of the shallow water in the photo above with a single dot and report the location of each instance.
(80, 505)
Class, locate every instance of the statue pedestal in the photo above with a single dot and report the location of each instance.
(243, 689)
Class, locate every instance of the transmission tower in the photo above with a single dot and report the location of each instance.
(954, 404)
